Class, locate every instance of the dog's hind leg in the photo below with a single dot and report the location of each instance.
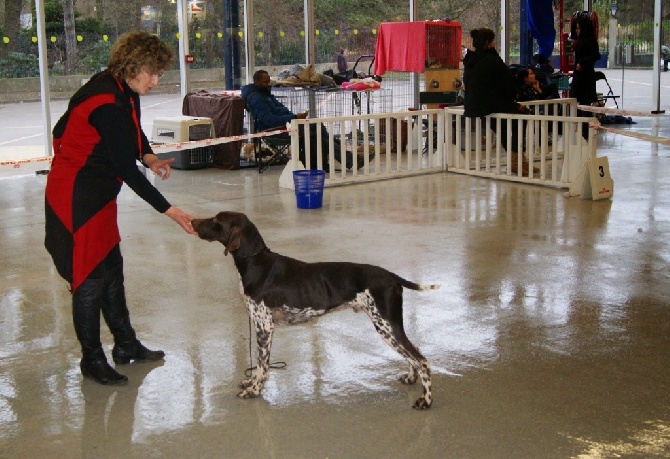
(264, 325)
(388, 323)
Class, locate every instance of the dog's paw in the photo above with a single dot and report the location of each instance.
(409, 378)
(422, 404)
(246, 383)
(248, 393)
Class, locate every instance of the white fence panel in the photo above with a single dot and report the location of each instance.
(398, 144)
(552, 144)
(412, 146)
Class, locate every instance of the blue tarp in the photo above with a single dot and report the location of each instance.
(541, 24)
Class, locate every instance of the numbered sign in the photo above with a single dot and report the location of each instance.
(598, 183)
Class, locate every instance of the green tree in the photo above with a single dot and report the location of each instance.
(70, 36)
(54, 19)
(97, 57)
(12, 25)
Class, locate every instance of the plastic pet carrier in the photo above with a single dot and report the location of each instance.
(178, 129)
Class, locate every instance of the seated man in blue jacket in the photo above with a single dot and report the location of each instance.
(272, 114)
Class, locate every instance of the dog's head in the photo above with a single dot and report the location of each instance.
(232, 229)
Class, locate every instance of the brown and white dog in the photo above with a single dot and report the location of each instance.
(248, 153)
(282, 290)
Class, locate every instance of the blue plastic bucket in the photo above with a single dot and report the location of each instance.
(309, 188)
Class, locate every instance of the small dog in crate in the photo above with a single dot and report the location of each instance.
(247, 152)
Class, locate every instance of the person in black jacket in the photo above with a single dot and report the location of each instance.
(491, 88)
(96, 144)
(583, 86)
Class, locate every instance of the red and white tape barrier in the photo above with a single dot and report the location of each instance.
(17, 163)
(637, 135)
(168, 147)
(616, 111)
(165, 147)
(625, 132)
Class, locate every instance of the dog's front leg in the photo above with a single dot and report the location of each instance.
(262, 319)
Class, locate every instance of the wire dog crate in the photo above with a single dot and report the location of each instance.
(336, 102)
(333, 102)
(185, 129)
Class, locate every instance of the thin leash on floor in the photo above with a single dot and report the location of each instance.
(249, 371)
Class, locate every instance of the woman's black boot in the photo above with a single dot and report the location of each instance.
(86, 301)
(115, 311)
(123, 353)
(95, 367)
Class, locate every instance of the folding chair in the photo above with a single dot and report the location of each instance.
(610, 94)
(278, 145)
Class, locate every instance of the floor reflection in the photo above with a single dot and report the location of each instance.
(551, 320)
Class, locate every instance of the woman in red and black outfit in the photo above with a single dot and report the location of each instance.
(96, 145)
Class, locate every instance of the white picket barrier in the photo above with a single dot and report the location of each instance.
(553, 145)
(429, 141)
(412, 146)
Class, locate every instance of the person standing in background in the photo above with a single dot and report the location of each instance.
(342, 62)
(583, 86)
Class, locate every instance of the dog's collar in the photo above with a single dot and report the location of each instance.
(264, 249)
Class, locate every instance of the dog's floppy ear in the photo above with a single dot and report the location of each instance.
(234, 239)
(242, 235)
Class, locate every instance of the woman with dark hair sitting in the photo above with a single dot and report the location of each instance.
(529, 87)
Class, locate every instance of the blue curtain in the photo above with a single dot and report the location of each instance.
(541, 24)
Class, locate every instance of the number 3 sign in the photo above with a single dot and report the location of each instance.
(598, 183)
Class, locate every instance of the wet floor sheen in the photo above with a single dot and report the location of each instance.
(550, 336)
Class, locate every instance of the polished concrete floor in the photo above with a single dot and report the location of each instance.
(550, 336)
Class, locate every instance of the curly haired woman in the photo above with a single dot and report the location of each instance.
(96, 145)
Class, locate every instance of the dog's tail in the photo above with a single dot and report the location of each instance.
(414, 286)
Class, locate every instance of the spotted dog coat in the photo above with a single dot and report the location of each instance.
(282, 290)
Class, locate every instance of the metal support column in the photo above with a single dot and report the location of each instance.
(231, 43)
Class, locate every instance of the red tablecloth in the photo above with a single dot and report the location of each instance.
(401, 46)
(413, 46)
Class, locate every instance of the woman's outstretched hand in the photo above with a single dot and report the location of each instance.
(182, 218)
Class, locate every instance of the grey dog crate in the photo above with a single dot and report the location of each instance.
(185, 129)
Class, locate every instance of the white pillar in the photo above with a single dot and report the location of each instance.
(182, 20)
(414, 77)
(249, 36)
(503, 36)
(44, 76)
(656, 75)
